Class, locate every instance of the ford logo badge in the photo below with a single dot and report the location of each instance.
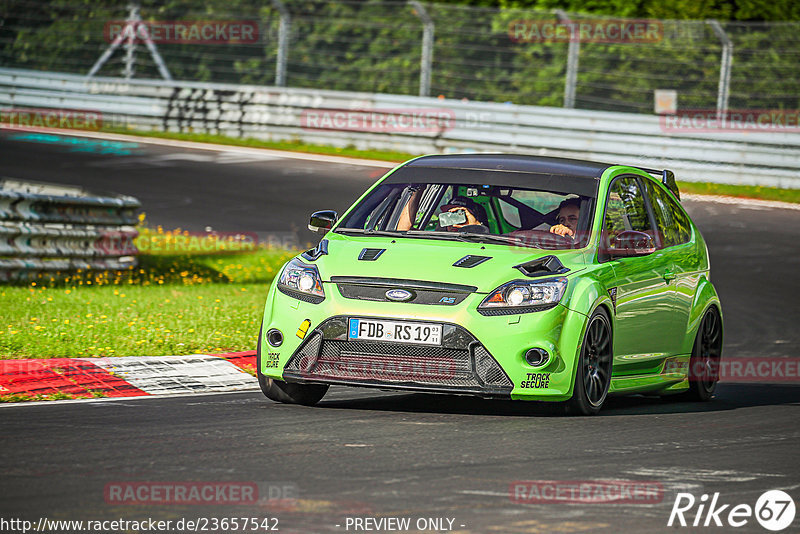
(399, 295)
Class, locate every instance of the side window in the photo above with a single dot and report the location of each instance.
(673, 225)
(625, 209)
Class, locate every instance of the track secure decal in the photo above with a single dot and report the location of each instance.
(536, 381)
(272, 359)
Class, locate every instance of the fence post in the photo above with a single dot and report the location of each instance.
(724, 68)
(427, 47)
(283, 42)
(130, 43)
(572, 59)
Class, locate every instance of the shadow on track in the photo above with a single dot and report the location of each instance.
(728, 397)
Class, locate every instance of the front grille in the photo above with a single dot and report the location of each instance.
(418, 296)
(461, 364)
(363, 360)
(422, 292)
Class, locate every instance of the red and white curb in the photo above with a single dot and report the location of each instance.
(128, 376)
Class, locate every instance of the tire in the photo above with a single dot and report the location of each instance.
(287, 392)
(706, 357)
(593, 374)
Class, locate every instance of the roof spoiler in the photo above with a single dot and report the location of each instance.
(667, 178)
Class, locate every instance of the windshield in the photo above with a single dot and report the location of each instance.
(520, 216)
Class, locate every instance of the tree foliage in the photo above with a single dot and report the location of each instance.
(373, 46)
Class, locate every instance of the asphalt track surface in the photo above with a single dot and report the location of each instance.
(365, 453)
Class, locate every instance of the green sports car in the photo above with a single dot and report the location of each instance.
(502, 276)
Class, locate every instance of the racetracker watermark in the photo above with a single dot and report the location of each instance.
(620, 31)
(197, 242)
(202, 493)
(198, 493)
(73, 119)
(430, 120)
(754, 370)
(209, 32)
(586, 492)
(742, 120)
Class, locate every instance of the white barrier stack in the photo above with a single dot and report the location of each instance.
(47, 228)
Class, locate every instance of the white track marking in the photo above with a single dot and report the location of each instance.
(750, 203)
(192, 145)
(124, 401)
(178, 374)
(683, 474)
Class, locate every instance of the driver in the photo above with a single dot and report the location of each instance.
(476, 215)
(567, 219)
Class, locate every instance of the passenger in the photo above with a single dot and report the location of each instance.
(567, 220)
(476, 215)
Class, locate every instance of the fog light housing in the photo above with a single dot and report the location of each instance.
(537, 357)
(274, 337)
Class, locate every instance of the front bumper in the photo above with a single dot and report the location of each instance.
(460, 365)
(480, 355)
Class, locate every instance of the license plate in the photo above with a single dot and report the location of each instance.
(395, 331)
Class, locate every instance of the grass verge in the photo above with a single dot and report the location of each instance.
(742, 191)
(178, 305)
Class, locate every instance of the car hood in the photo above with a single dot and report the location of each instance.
(432, 260)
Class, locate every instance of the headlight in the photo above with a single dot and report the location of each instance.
(301, 281)
(522, 296)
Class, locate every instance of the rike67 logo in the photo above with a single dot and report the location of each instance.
(774, 510)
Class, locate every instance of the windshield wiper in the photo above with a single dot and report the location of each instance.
(474, 236)
(433, 234)
(368, 231)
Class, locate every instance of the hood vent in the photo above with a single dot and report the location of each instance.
(471, 261)
(548, 265)
(371, 254)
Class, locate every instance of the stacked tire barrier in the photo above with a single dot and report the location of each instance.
(49, 229)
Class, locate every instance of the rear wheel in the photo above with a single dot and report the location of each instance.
(287, 392)
(706, 356)
(593, 375)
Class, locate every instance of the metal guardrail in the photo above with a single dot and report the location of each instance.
(767, 158)
(48, 228)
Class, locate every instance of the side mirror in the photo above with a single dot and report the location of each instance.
(631, 243)
(322, 221)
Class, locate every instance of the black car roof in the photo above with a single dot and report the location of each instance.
(514, 163)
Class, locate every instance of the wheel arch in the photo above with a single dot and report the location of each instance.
(591, 298)
(704, 298)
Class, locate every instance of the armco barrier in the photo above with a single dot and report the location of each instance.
(770, 157)
(46, 228)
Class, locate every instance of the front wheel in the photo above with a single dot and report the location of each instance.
(593, 375)
(287, 392)
(292, 393)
